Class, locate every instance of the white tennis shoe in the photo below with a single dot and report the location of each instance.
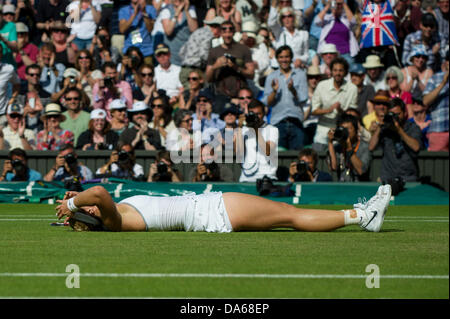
(375, 209)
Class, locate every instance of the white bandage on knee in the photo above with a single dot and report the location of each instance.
(352, 217)
(71, 205)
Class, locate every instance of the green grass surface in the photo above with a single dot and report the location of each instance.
(414, 241)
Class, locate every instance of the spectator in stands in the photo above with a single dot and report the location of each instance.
(196, 82)
(110, 88)
(27, 52)
(380, 102)
(249, 10)
(179, 21)
(167, 74)
(401, 142)
(416, 73)
(139, 135)
(374, 69)
(205, 120)
(122, 164)
(428, 38)
(441, 15)
(34, 97)
(405, 17)
(85, 16)
(119, 119)
(337, 28)
(310, 121)
(26, 14)
(132, 61)
(162, 117)
(181, 139)
(245, 96)
(77, 120)
(15, 134)
(71, 80)
(8, 76)
(365, 92)
(15, 168)
(146, 91)
(311, 9)
(286, 92)
(84, 64)
(421, 119)
(51, 72)
(228, 134)
(53, 136)
(136, 22)
(194, 52)
(208, 170)
(291, 36)
(99, 135)
(394, 77)
(436, 98)
(67, 168)
(273, 20)
(330, 98)
(65, 50)
(48, 12)
(227, 10)
(348, 154)
(163, 170)
(305, 169)
(229, 67)
(101, 49)
(8, 34)
(256, 145)
(328, 53)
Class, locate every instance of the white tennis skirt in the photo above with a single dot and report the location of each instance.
(205, 212)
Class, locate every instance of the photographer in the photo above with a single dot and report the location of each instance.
(162, 169)
(348, 155)
(257, 142)
(132, 61)
(68, 169)
(101, 48)
(122, 164)
(400, 141)
(15, 168)
(208, 170)
(305, 170)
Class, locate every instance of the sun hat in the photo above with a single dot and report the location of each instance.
(417, 51)
(381, 98)
(218, 20)
(230, 108)
(71, 72)
(372, 62)
(22, 27)
(117, 104)
(52, 109)
(328, 48)
(313, 70)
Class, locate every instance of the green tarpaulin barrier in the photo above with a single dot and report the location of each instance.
(305, 193)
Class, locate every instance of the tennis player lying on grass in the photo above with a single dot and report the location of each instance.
(94, 209)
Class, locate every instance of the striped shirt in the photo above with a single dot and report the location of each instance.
(439, 108)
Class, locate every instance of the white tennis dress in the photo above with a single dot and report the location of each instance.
(205, 212)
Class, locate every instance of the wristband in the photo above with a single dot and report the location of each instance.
(71, 206)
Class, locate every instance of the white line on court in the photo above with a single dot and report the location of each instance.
(180, 275)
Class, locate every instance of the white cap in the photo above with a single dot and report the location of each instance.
(14, 108)
(9, 8)
(97, 75)
(117, 104)
(71, 72)
(98, 114)
(139, 106)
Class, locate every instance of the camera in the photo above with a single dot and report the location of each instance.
(214, 172)
(102, 146)
(18, 166)
(70, 159)
(162, 168)
(72, 80)
(230, 57)
(341, 134)
(252, 119)
(73, 183)
(103, 40)
(124, 156)
(302, 167)
(389, 119)
(109, 82)
(135, 61)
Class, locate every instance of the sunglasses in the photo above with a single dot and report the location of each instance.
(203, 100)
(193, 78)
(391, 78)
(245, 98)
(421, 56)
(146, 74)
(83, 57)
(287, 16)
(120, 110)
(188, 120)
(227, 28)
(72, 98)
(33, 74)
(158, 105)
(15, 116)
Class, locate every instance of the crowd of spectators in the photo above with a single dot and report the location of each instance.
(345, 77)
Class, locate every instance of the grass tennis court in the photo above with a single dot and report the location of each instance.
(411, 252)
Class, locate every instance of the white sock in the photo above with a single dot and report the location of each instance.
(353, 216)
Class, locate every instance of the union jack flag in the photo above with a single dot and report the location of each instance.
(378, 27)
